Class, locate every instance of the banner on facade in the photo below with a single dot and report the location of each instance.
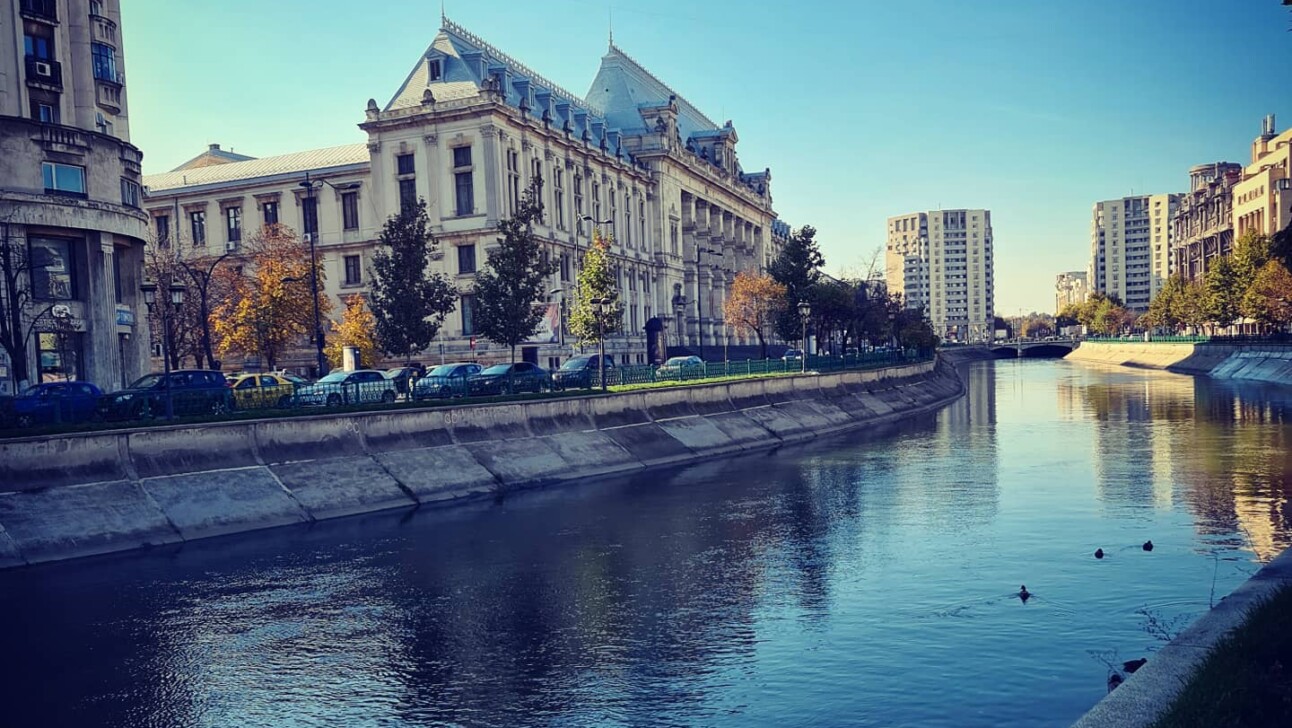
(549, 327)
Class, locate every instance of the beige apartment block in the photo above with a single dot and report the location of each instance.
(1130, 247)
(70, 191)
(468, 131)
(1070, 289)
(1263, 199)
(942, 261)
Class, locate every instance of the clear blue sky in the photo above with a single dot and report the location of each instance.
(1032, 109)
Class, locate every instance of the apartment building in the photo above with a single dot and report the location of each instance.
(942, 261)
(1070, 289)
(1130, 247)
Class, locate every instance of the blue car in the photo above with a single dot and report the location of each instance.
(56, 402)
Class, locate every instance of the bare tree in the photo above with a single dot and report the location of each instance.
(19, 309)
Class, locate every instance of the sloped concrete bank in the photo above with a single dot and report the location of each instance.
(1258, 362)
(1150, 691)
(80, 495)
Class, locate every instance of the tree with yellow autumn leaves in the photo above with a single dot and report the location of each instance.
(357, 328)
(269, 309)
(753, 305)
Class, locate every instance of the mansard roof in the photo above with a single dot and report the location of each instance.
(623, 86)
(282, 164)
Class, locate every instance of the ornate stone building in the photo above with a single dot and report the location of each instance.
(70, 191)
(1202, 225)
(1070, 289)
(468, 130)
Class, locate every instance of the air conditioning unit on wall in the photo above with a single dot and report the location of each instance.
(230, 246)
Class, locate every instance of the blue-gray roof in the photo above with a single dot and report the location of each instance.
(623, 86)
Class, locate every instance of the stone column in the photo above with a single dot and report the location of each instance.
(101, 358)
(492, 161)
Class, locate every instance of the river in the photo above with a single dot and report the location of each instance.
(861, 580)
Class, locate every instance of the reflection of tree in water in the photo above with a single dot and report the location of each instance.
(1221, 447)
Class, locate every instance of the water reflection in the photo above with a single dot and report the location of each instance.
(865, 580)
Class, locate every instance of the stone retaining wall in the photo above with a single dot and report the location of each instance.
(79, 495)
(1268, 363)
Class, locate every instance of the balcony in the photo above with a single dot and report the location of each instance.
(45, 10)
(46, 73)
(107, 95)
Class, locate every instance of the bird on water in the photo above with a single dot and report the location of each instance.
(1148, 545)
(1023, 593)
(1099, 553)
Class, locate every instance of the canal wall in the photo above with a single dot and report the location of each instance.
(85, 494)
(1258, 362)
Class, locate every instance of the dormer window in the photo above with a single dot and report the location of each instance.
(434, 69)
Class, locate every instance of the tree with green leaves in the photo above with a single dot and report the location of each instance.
(1269, 299)
(596, 280)
(798, 268)
(1224, 292)
(409, 300)
(1165, 308)
(514, 278)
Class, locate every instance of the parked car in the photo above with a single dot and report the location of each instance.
(852, 352)
(792, 355)
(252, 391)
(508, 379)
(582, 372)
(681, 367)
(446, 380)
(192, 392)
(51, 402)
(361, 386)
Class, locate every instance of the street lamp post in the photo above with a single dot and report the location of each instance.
(805, 310)
(176, 293)
(560, 319)
(602, 306)
(679, 309)
(699, 312)
(311, 231)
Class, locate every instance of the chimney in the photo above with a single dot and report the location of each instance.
(213, 148)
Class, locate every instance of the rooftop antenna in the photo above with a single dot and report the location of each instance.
(610, 12)
(443, 15)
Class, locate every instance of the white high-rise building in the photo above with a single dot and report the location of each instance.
(942, 261)
(1131, 247)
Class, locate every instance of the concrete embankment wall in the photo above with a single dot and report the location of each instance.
(1263, 362)
(80, 495)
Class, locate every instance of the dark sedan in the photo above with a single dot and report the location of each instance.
(445, 380)
(508, 379)
(192, 392)
(583, 372)
(56, 402)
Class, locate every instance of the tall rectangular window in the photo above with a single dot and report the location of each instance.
(513, 179)
(105, 62)
(310, 216)
(197, 221)
(36, 44)
(233, 224)
(641, 220)
(558, 196)
(596, 201)
(468, 310)
(53, 269)
(269, 210)
(129, 192)
(353, 272)
(466, 259)
(578, 198)
(350, 210)
(462, 156)
(464, 187)
(64, 179)
(407, 195)
(628, 221)
(163, 230)
(405, 164)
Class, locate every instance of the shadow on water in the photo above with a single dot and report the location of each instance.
(866, 578)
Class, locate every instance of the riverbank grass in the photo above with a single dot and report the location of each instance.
(1246, 681)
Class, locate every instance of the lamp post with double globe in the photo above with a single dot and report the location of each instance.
(805, 310)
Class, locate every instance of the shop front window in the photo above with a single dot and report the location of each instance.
(53, 273)
(60, 356)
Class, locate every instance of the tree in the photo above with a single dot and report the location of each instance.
(834, 306)
(269, 308)
(596, 280)
(1281, 246)
(1165, 310)
(514, 277)
(1224, 292)
(797, 268)
(182, 328)
(409, 301)
(207, 292)
(358, 328)
(1269, 299)
(20, 310)
(753, 304)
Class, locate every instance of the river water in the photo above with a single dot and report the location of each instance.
(864, 580)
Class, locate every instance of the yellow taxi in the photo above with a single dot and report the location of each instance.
(257, 391)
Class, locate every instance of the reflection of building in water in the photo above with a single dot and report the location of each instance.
(1219, 448)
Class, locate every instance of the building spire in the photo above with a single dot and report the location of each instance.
(444, 16)
(610, 11)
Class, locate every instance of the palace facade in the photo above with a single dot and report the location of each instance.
(468, 131)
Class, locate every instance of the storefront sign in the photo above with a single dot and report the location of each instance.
(125, 317)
